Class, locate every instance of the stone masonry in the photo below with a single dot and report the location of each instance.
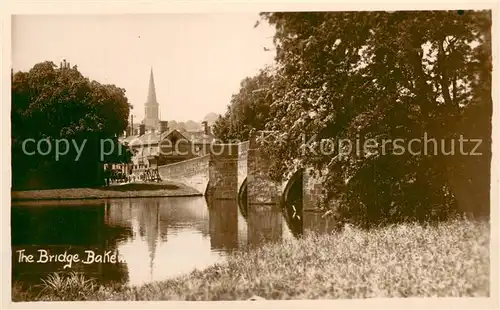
(242, 163)
(261, 190)
(192, 172)
(223, 171)
(312, 217)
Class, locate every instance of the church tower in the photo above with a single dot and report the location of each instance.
(151, 107)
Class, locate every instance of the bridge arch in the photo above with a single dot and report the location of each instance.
(242, 198)
(292, 204)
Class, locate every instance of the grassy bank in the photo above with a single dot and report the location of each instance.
(163, 189)
(450, 259)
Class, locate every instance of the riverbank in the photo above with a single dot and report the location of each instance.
(129, 190)
(450, 259)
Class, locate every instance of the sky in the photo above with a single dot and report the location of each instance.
(198, 60)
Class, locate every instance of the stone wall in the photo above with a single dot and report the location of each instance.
(263, 197)
(242, 162)
(311, 191)
(223, 171)
(193, 172)
(221, 174)
(261, 190)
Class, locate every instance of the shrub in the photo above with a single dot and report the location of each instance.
(67, 287)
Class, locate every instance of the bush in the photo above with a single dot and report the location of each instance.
(67, 287)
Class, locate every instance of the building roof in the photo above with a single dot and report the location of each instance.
(148, 138)
(152, 138)
(198, 137)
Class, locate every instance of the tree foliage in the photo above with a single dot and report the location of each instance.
(60, 103)
(249, 108)
(210, 118)
(392, 75)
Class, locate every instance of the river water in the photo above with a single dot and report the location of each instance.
(132, 241)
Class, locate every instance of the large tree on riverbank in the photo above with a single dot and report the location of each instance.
(392, 75)
(60, 103)
(249, 108)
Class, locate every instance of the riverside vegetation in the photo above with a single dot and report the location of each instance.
(374, 76)
(405, 260)
(163, 189)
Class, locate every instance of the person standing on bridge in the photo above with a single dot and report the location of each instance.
(107, 175)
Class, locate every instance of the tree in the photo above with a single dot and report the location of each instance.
(181, 126)
(221, 128)
(60, 103)
(191, 125)
(210, 118)
(249, 108)
(370, 75)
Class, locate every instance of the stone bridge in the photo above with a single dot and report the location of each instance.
(239, 173)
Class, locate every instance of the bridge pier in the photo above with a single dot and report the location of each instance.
(223, 172)
(221, 196)
(313, 219)
(239, 173)
(263, 198)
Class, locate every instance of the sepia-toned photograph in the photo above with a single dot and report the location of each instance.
(246, 156)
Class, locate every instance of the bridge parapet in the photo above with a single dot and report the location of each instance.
(192, 172)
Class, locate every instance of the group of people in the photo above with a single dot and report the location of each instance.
(116, 176)
(150, 175)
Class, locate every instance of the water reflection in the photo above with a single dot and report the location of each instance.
(223, 225)
(156, 238)
(266, 220)
(73, 228)
(292, 204)
(264, 224)
(169, 237)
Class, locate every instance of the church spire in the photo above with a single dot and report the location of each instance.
(151, 91)
(151, 107)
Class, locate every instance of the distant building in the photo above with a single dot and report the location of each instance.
(154, 144)
(151, 107)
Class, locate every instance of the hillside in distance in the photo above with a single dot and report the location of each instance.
(191, 125)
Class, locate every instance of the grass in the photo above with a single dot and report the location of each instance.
(450, 259)
(71, 287)
(140, 187)
(163, 189)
